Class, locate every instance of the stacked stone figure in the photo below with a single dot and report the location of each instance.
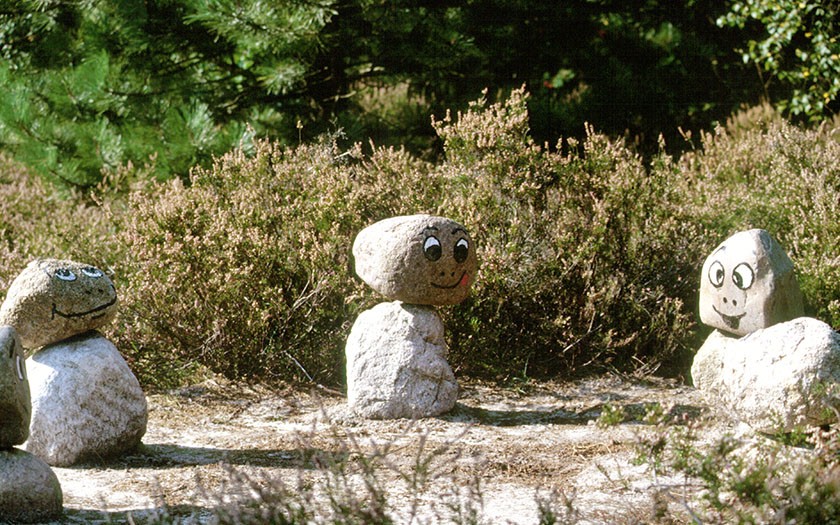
(29, 490)
(396, 351)
(765, 364)
(86, 402)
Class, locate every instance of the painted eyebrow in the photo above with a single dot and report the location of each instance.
(456, 230)
(429, 228)
(51, 273)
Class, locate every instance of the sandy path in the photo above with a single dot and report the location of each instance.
(511, 447)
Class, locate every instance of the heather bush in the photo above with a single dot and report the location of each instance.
(589, 254)
(585, 264)
(759, 171)
(35, 221)
(246, 269)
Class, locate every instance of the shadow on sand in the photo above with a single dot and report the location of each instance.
(182, 514)
(509, 418)
(167, 455)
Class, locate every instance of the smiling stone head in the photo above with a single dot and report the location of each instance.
(747, 284)
(417, 259)
(52, 300)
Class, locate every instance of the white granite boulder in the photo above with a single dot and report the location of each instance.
(51, 300)
(773, 379)
(748, 283)
(396, 363)
(418, 259)
(29, 489)
(15, 407)
(86, 402)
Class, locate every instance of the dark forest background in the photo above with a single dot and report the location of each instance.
(92, 85)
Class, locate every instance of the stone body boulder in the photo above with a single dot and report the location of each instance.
(86, 402)
(748, 283)
(15, 407)
(29, 489)
(417, 259)
(396, 363)
(51, 300)
(773, 379)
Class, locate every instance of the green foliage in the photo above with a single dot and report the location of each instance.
(611, 415)
(589, 256)
(247, 268)
(94, 86)
(570, 246)
(35, 222)
(799, 47)
(732, 480)
(589, 259)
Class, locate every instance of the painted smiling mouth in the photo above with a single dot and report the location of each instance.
(450, 287)
(732, 321)
(56, 311)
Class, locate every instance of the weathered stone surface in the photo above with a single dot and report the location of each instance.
(396, 363)
(748, 283)
(52, 300)
(772, 379)
(86, 402)
(418, 259)
(29, 490)
(15, 407)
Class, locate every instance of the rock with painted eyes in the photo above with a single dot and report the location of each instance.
(417, 259)
(53, 299)
(15, 407)
(748, 283)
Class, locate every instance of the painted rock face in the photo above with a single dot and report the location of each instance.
(747, 284)
(52, 300)
(15, 407)
(417, 259)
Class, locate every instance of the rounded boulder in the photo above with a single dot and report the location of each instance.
(53, 299)
(417, 259)
(396, 363)
(86, 402)
(774, 379)
(15, 407)
(29, 489)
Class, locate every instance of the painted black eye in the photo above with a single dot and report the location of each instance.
(431, 248)
(65, 275)
(743, 276)
(21, 368)
(92, 272)
(716, 274)
(462, 250)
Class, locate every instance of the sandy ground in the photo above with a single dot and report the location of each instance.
(496, 456)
